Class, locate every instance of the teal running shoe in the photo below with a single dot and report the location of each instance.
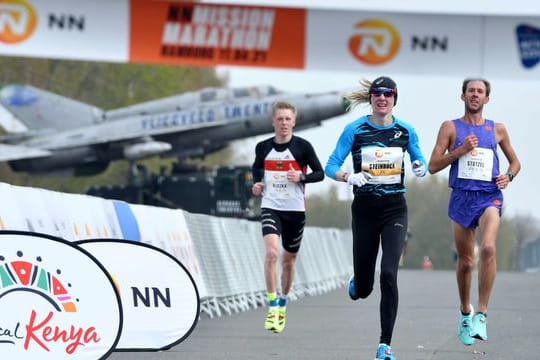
(465, 328)
(384, 352)
(479, 327)
(352, 290)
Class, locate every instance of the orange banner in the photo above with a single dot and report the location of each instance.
(202, 34)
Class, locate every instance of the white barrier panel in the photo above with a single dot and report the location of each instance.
(11, 215)
(37, 210)
(56, 300)
(167, 230)
(160, 300)
(224, 256)
(86, 217)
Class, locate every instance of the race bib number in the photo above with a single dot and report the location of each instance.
(383, 164)
(277, 185)
(477, 164)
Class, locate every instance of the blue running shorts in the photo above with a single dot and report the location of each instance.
(466, 207)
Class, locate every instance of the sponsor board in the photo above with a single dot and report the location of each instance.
(159, 298)
(93, 30)
(512, 48)
(388, 42)
(204, 34)
(207, 34)
(56, 300)
(167, 229)
(528, 38)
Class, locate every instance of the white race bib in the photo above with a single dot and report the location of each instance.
(383, 164)
(477, 164)
(277, 185)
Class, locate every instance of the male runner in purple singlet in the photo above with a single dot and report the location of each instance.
(469, 145)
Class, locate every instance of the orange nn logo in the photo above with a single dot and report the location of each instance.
(18, 20)
(374, 42)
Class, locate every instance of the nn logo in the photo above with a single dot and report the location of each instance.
(528, 38)
(146, 298)
(66, 22)
(374, 42)
(18, 21)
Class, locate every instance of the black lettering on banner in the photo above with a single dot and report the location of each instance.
(180, 13)
(66, 22)
(187, 51)
(145, 297)
(429, 43)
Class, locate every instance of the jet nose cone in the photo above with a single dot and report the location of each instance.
(332, 104)
(314, 108)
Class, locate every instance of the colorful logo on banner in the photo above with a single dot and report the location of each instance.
(56, 301)
(157, 293)
(374, 42)
(528, 38)
(18, 20)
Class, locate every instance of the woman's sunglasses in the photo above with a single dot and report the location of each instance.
(383, 91)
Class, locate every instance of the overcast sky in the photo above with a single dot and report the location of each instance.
(423, 101)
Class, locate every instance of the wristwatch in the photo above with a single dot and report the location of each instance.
(302, 177)
(510, 175)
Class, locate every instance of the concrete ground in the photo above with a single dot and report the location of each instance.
(331, 326)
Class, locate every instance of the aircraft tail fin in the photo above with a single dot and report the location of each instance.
(40, 109)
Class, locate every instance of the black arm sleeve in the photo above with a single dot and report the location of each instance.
(317, 171)
(258, 165)
(305, 156)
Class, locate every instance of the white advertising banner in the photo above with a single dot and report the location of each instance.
(390, 43)
(56, 301)
(80, 30)
(512, 48)
(167, 230)
(160, 300)
(183, 33)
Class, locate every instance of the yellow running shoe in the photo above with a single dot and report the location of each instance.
(282, 312)
(272, 321)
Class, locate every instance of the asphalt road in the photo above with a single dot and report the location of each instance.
(331, 326)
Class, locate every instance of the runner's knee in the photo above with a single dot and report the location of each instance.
(487, 252)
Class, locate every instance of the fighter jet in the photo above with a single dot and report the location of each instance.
(63, 134)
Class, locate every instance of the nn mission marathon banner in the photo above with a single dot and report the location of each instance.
(206, 34)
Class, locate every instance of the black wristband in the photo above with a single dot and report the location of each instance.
(510, 175)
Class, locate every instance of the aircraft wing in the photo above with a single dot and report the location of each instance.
(10, 152)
